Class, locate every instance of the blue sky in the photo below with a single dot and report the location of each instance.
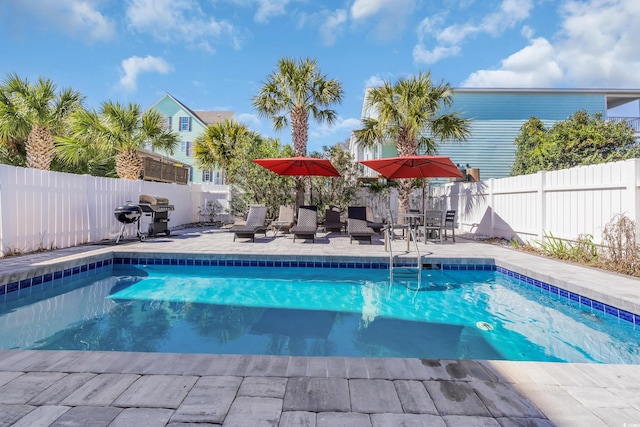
(214, 54)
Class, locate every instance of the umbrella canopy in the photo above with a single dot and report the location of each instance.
(299, 166)
(414, 167)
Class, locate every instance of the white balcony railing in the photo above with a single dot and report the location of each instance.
(632, 122)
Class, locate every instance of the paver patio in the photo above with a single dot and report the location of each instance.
(66, 388)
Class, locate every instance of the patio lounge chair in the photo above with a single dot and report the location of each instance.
(332, 221)
(285, 220)
(255, 223)
(307, 224)
(371, 222)
(357, 227)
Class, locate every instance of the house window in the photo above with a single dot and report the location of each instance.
(206, 175)
(185, 123)
(189, 148)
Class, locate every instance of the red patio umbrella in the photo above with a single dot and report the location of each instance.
(299, 166)
(414, 167)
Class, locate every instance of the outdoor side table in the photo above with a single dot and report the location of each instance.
(276, 226)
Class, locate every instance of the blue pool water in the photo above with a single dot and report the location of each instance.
(312, 312)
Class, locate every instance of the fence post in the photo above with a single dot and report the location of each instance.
(492, 206)
(542, 204)
(4, 171)
(631, 191)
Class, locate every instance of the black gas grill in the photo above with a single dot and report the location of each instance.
(158, 208)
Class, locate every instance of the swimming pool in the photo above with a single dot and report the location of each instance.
(256, 308)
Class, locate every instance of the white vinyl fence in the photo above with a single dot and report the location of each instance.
(45, 210)
(565, 203)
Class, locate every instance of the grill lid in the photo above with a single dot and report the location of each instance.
(153, 200)
(127, 214)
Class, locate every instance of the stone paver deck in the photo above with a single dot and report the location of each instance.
(68, 388)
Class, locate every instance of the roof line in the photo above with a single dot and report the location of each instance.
(189, 110)
(546, 90)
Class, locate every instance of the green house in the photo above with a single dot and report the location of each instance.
(189, 124)
(498, 114)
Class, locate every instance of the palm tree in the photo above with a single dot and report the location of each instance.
(118, 131)
(34, 114)
(408, 112)
(296, 90)
(220, 143)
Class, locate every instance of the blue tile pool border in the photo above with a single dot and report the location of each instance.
(561, 294)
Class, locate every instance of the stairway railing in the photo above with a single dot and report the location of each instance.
(412, 235)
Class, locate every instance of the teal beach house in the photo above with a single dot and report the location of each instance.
(189, 124)
(498, 114)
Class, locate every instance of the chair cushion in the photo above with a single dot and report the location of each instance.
(257, 215)
(307, 222)
(359, 227)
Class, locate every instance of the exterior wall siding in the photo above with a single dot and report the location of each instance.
(490, 147)
(496, 121)
(497, 116)
(168, 107)
(517, 106)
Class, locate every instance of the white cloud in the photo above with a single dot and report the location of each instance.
(374, 81)
(249, 119)
(366, 8)
(325, 134)
(425, 56)
(341, 128)
(178, 20)
(331, 27)
(85, 18)
(596, 47)
(136, 65)
(79, 17)
(392, 15)
(270, 8)
(533, 66)
(448, 39)
(527, 32)
(598, 44)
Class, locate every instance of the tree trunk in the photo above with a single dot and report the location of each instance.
(299, 130)
(406, 147)
(40, 148)
(299, 135)
(299, 191)
(128, 165)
